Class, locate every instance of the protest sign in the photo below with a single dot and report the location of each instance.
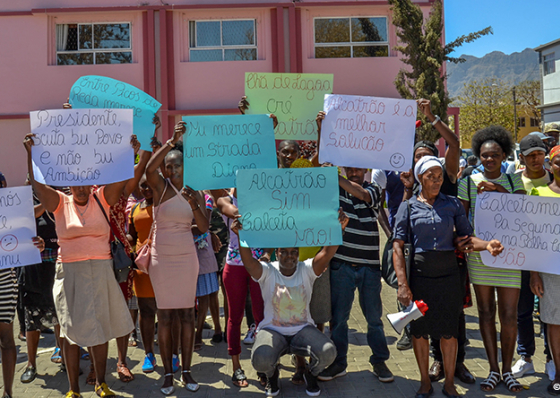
(527, 226)
(289, 207)
(103, 92)
(368, 132)
(294, 98)
(17, 228)
(82, 146)
(215, 147)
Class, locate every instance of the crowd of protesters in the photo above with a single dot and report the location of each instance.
(288, 295)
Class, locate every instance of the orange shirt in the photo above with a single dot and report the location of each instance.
(82, 237)
(142, 219)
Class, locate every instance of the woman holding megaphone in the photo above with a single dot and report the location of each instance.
(428, 221)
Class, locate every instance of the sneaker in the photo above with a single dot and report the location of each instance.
(272, 387)
(550, 370)
(522, 367)
(383, 373)
(149, 363)
(251, 334)
(405, 343)
(311, 386)
(332, 372)
(176, 363)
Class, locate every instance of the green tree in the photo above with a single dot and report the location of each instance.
(484, 103)
(422, 49)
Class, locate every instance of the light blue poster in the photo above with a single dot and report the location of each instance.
(289, 207)
(216, 147)
(103, 92)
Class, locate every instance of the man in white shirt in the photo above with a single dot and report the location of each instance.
(287, 326)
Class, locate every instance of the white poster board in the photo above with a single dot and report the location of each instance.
(76, 147)
(368, 132)
(527, 226)
(17, 228)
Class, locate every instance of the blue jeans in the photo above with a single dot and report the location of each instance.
(345, 278)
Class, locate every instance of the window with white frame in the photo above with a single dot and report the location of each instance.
(225, 40)
(93, 43)
(549, 64)
(351, 37)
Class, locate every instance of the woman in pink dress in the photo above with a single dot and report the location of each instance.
(174, 269)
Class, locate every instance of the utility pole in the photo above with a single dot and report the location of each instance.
(514, 114)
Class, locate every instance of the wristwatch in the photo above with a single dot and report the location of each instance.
(436, 120)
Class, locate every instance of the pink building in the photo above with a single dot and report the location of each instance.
(192, 56)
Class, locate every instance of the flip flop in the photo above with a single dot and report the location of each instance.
(56, 357)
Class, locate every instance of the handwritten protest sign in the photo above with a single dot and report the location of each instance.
(103, 92)
(295, 98)
(527, 226)
(289, 207)
(217, 146)
(368, 132)
(82, 146)
(17, 227)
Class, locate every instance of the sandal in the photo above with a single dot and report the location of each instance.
(91, 378)
(512, 384)
(124, 373)
(239, 379)
(56, 357)
(190, 386)
(84, 354)
(104, 391)
(132, 341)
(170, 389)
(490, 383)
(72, 394)
(553, 388)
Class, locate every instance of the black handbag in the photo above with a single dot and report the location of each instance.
(387, 268)
(121, 261)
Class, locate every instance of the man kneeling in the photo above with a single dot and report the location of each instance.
(287, 326)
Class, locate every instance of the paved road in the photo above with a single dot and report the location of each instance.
(212, 369)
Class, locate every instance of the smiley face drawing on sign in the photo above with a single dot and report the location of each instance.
(397, 160)
(8, 243)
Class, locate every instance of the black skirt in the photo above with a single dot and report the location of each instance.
(435, 279)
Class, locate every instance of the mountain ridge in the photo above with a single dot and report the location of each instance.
(512, 69)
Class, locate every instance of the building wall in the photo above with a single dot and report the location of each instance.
(31, 80)
(551, 82)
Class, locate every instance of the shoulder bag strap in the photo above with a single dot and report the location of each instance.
(157, 211)
(106, 218)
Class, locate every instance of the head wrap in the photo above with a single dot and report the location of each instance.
(554, 151)
(426, 144)
(424, 164)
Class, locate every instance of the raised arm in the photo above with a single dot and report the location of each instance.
(354, 189)
(253, 266)
(156, 182)
(227, 208)
(453, 152)
(315, 159)
(48, 197)
(324, 257)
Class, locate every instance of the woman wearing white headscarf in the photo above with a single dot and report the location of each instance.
(428, 221)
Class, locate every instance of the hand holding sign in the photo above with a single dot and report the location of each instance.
(293, 97)
(19, 245)
(368, 132)
(104, 92)
(289, 207)
(74, 147)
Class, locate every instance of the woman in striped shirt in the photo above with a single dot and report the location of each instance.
(492, 145)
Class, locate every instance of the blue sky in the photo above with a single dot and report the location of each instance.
(516, 24)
